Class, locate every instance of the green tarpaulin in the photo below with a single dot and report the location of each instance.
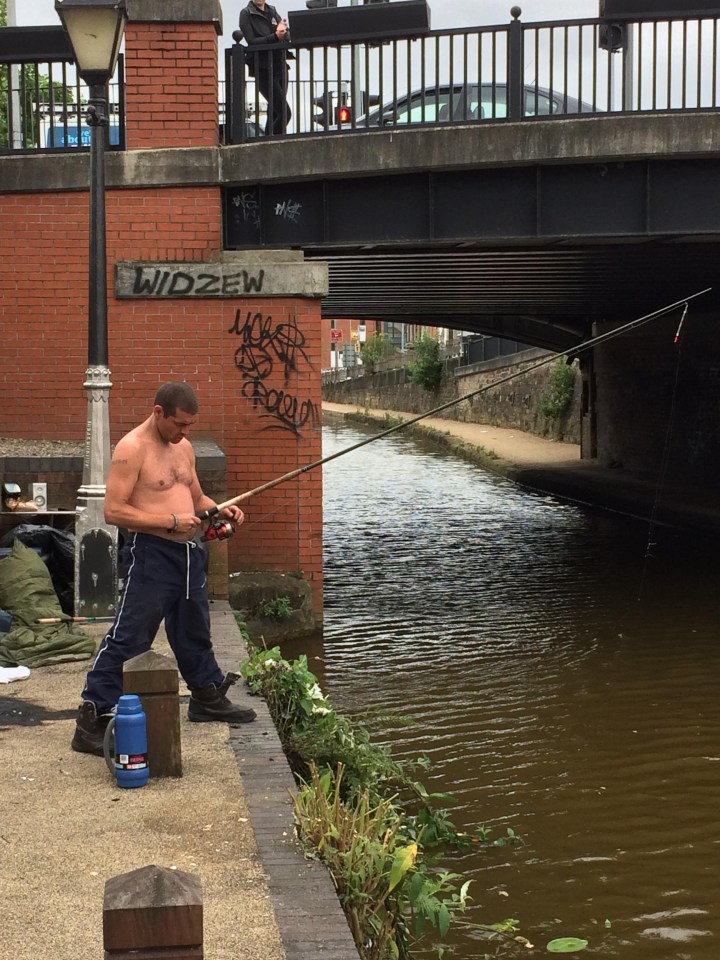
(26, 592)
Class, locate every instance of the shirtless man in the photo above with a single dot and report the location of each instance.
(153, 491)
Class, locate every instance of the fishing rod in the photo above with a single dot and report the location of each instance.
(580, 348)
(73, 619)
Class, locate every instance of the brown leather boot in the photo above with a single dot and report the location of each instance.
(209, 704)
(90, 730)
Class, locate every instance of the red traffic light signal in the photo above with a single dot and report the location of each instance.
(343, 114)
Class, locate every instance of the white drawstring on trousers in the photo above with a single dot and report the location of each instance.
(188, 545)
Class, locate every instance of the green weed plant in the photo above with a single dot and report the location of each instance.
(365, 815)
(426, 370)
(276, 608)
(561, 390)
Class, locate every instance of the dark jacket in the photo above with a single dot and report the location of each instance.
(258, 26)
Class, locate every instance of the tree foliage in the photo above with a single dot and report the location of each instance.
(426, 370)
(376, 348)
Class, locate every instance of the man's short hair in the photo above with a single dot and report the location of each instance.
(176, 395)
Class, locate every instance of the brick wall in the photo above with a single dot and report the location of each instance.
(169, 70)
(265, 426)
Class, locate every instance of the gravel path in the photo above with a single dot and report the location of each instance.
(10, 447)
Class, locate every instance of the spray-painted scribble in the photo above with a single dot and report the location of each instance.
(288, 210)
(263, 346)
(249, 204)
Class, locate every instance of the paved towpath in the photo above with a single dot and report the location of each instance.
(66, 828)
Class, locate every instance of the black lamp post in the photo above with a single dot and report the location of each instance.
(95, 29)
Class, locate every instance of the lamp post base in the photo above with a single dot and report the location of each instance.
(95, 540)
(96, 575)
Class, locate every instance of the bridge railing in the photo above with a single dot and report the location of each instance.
(43, 101)
(510, 72)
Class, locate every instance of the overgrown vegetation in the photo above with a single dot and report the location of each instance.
(276, 608)
(367, 817)
(376, 348)
(561, 390)
(426, 370)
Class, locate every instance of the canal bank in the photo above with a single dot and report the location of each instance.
(555, 467)
(66, 828)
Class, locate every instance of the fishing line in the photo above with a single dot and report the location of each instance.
(569, 352)
(665, 459)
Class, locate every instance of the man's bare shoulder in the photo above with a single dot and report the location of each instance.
(131, 448)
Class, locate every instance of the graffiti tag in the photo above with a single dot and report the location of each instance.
(264, 346)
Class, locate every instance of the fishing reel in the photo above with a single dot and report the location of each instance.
(218, 530)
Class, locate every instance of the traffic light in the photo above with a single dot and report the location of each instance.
(343, 114)
(324, 105)
(612, 36)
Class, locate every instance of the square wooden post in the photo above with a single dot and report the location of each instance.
(154, 679)
(153, 913)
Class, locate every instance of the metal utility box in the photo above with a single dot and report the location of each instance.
(400, 18)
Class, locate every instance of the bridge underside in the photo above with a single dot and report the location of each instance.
(534, 253)
(546, 296)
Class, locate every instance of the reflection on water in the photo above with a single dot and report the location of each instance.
(560, 683)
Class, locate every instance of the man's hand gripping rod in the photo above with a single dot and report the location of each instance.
(580, 348)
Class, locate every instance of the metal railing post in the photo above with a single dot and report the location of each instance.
(515, 66)
(235, 110)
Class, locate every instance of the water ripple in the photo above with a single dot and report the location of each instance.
(560, 683)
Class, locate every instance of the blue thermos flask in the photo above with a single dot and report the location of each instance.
(128, 759)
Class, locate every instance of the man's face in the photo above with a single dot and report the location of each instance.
(176, 427)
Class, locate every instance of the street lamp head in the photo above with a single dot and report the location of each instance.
(95, 29)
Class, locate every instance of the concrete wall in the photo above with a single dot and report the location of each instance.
(515, 404)
(658, 410)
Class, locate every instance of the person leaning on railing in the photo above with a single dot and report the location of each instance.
(260, 23)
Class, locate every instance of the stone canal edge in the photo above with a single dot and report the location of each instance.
(309, 916)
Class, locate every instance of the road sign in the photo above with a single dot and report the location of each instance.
(336, 334)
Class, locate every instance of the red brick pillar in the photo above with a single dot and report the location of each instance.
(171, 73)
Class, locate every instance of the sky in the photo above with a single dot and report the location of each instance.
(444, 14)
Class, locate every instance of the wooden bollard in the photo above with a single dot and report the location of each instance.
(154, 679)
(153, 913)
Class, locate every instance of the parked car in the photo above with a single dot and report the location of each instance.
(469, 102)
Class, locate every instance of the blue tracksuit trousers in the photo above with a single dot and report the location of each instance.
(165, 581)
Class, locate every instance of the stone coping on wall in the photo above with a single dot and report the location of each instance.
(458, 147)
(234, 275)
(176, 11)
(60, 457)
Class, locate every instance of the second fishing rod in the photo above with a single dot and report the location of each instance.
(570, 351)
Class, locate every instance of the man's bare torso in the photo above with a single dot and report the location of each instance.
(166, 475)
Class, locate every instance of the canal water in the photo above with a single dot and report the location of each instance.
(562, 683)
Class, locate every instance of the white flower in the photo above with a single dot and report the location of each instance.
(322, 711)
(315, 693)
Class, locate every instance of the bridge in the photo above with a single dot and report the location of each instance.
(524, 180)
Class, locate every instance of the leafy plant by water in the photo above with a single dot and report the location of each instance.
(561, 390)
(426, 370)
(276, 608)
(388, 893)
(364, 815)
